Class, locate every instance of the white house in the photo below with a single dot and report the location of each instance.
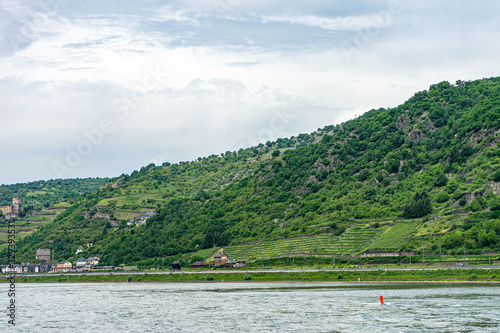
(80, 262)
(93, 261)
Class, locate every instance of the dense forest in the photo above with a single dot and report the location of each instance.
(424, 173)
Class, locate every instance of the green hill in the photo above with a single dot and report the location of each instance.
(43, 193)
(41, 201)
(422, 174)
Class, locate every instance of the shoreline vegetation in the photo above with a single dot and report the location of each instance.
(474, 275)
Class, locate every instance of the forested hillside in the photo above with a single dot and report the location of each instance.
(44, 192)
(38, 199)
(425, 173)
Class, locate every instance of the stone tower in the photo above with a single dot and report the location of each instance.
(17, 205)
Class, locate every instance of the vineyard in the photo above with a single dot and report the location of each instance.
(394, 237)
(354, 240)
(311, 245)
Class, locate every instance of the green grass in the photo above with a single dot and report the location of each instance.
(132, 198)
(35, 193)
(62, 205)
(126, 215)
(442, 275)
(206, 252)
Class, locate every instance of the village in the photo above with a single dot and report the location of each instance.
(220, 260)
(45, 264)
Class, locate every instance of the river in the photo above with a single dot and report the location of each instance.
(253, 307)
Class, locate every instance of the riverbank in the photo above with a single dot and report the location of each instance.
(373, 276)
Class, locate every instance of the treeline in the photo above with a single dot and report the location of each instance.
(44, 192)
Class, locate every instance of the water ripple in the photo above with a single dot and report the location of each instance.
(255, 307)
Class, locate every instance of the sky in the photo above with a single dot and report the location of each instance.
(100, 88)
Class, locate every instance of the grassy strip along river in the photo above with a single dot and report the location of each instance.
(470, 275)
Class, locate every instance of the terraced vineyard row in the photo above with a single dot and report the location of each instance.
(394, 237)
(356, 239)
(313, 245)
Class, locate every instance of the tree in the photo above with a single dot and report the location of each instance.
(492, 238)
(474, 206)
(441, 180)
(442, 197)
(393, 165)
(275, 153)
(496, 176)
(419, 206)
(453, 239)
(495, 204)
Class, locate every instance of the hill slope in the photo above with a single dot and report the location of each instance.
(37, 198)
(44, 192)
(424, 173)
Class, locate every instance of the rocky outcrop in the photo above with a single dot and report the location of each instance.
(403, 122)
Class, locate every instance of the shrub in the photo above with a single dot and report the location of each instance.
(474, 206)
(129, 278)
(339, 277)
(473, 276)
(495, 204)
(442, 197)
(440, 180)
(209, 277)
(247, 277)
(496, 176)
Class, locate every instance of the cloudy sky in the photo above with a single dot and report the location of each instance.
(100, 88)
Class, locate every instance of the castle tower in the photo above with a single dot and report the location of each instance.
(17, 205)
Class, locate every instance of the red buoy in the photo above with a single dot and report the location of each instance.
(381, 299)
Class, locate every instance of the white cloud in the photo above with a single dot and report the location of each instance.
(350, 23)
(166, 13)
(201, 79)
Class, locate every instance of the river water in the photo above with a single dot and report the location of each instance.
(253, 307)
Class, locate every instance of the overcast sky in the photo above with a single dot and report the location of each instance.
(101, 88)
